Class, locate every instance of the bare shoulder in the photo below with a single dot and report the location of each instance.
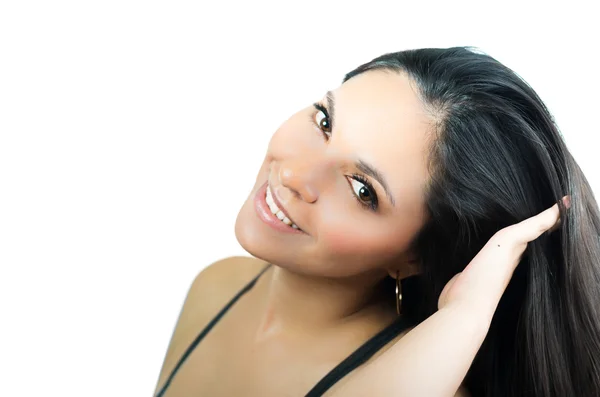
(222, 277)
(209, 291)
(212, 288)
(215, 284)
(231, 268)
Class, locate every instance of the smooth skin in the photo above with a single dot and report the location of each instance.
(465, 311)
(320, 301)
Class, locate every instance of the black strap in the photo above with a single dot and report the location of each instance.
(207, 329)
(354, 360)
(359, 356)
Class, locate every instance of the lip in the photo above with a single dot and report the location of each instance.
(265, 214)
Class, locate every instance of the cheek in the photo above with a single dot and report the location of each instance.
(347, 236)
(342, 240)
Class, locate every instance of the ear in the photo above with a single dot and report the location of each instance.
(408, 268)
(413, 267)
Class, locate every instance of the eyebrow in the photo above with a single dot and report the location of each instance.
(360, 164)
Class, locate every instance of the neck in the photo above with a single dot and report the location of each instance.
(294, 302)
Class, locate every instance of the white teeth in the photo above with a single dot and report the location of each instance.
(276, 211)
(269, 198)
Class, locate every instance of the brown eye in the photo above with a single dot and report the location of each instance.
(362, 192)
(321, 120)
(323, 123)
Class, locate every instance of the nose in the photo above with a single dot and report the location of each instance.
(305, 177)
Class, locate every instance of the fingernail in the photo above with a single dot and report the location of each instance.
(567, 201)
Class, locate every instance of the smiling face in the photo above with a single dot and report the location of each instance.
(350, 172)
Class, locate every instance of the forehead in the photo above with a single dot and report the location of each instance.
(380, 118)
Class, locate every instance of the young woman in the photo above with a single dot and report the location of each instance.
(386, 225)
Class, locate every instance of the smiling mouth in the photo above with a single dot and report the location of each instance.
(275, 210)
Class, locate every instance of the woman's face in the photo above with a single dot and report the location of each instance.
(350, 177)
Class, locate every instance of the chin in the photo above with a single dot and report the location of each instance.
(250, 233)
(246, 233)
(251, 236)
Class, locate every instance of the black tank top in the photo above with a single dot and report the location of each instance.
(355, 359)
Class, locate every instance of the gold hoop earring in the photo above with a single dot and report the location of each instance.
(398, 293)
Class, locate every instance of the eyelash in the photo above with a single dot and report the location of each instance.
(358, 177)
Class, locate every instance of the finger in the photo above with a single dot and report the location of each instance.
(485, 278)
(567, 202)
(548, 220)
(555, 227)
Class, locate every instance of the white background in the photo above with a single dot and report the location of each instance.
(131, 132)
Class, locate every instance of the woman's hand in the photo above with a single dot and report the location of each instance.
(433, 359)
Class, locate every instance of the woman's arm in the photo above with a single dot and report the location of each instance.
(434, 357)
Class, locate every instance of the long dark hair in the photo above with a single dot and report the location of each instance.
(497, 158)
